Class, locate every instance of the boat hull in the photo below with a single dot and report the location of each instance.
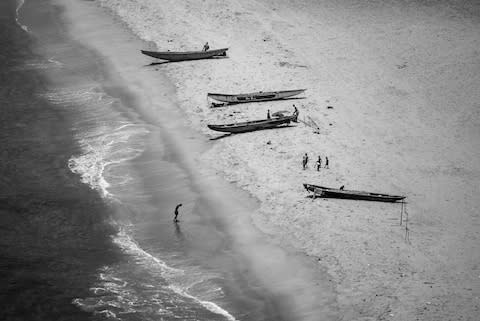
(254, 97)
(186, 55)
(253, 126)
(322, 191)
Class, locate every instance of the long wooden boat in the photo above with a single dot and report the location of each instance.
(256, 96)
(322, 191)
(249, 126)
(185, 55)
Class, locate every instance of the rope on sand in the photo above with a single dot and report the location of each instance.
(402, 219)
(311, 123)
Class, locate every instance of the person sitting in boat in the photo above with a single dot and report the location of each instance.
(206, 46)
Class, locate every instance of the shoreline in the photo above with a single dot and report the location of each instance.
(222, 204)
(375, 274)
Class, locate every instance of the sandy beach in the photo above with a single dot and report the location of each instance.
(403, 83)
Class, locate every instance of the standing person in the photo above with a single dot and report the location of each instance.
(305, 161)
(206, 46)
(268, 114)
(319, 163)
(176, 213)
(295, 114)
(326, 162)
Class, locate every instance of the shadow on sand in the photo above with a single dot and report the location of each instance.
(231, 134)
(222, 136)
(170, 62)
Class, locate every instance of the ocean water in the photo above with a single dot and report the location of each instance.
(55, 233)
(88, 191)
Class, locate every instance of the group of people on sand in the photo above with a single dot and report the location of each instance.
(318, 164)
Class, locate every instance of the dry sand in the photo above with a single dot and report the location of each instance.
(403, 79)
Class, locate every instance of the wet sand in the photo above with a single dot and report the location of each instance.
(266, 281)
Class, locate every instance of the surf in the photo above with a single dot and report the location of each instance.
(20, 4)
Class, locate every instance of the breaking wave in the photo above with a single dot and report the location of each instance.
(104, 143)
(148, 288)
(20, 3)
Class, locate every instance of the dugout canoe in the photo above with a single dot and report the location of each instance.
(185, 55)
(321, 191)
(256, 96)
(250, 126)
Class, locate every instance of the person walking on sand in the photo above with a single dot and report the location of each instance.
(268, 114)
(326, 162)
(176, 213)
(206, 46)
(319, 163)
(305, 161)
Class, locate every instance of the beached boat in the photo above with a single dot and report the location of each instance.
(249, 126)
(321, 191)
(185, 55)
(256, 96)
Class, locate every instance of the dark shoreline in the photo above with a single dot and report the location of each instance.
(54, 229)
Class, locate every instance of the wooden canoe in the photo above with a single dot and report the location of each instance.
(321, 191)
(256, 96)
(249, 126)
(185, 55)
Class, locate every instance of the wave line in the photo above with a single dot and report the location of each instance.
(20, 4)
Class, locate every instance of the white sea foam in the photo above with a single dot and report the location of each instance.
(98, 154)
(85, 96)
(20, 3)
(106, 138)
(137, 288)
(37, 64)
(207, 304)
(171, 274)
(130, 247)
(107, 313)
